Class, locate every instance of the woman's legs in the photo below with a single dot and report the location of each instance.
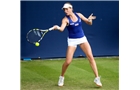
(69, 56)
(87, 50)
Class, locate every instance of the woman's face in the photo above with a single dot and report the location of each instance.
(67, 11)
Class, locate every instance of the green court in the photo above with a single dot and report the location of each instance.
(44, 74)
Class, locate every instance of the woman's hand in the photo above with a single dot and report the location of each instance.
(91, 17)
(56, 27)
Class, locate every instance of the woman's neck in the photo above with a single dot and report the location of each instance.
(73, 17)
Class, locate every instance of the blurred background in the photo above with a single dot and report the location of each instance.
(103, 35)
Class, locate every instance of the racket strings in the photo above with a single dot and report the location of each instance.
(34, 36)
(38, 33)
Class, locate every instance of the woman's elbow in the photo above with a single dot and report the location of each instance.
(61, 30)
(89, 23)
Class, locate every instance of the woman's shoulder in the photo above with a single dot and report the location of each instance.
(79, 14)
(65, 18)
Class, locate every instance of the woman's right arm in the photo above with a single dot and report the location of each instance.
(63, 25)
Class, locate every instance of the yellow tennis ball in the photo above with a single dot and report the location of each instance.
(36, 44)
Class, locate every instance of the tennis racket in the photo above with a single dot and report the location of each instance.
(36, 35)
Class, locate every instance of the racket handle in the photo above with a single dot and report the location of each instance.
(51, 28)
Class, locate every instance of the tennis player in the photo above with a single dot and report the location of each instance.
(73, 22)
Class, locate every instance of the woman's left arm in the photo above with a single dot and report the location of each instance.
(87, 20)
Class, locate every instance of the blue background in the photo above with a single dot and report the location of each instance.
(103, 35)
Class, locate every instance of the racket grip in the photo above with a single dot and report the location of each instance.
(51, 28)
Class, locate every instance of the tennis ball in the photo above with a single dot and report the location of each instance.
(36, 44)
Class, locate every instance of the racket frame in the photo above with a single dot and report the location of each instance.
(42, 30)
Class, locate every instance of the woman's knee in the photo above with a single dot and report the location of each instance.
(90, 57)
(67, 63)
